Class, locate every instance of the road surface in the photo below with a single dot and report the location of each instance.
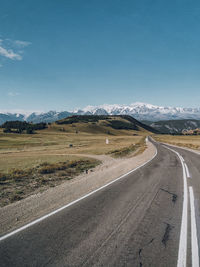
(150, 217)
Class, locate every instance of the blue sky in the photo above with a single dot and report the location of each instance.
(71, 53)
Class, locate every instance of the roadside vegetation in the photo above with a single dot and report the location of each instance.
(20, 183)
(189, 141)
(129, 150)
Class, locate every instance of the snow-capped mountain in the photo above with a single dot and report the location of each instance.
(34, 117)
(143, 111)
(140, 111)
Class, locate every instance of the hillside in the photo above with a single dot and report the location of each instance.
(104, 124)
(174, 126)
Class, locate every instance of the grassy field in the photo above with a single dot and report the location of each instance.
(192, 142)
(60, 142)
(53, 146)
(31, 163)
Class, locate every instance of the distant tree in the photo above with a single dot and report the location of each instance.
(39, 126)
(29, 130)
(7, 130)
(21, 126)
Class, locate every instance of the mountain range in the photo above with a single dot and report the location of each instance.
(140, 111)
(174, 126)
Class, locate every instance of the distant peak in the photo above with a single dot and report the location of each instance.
(142, 104)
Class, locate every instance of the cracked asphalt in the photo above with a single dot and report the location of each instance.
(132, 222)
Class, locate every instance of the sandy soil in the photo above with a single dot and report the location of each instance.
(19, 213)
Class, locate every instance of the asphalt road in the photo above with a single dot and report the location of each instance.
(144, 219)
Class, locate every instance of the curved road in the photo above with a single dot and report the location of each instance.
(150, 217)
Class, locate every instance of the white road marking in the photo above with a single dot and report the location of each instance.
(187, 171)
(182, 253)
(194, 241)
(73, 202)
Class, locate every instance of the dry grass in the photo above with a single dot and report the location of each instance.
(30, 163)
(192, 142)
(135, 149)
(53, 145)
(20, 183)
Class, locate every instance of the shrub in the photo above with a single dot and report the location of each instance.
(15, 197)
(17, 174)
(44, 164)
(7, 130)
(3, 177)
(47, 169)
(29, 130)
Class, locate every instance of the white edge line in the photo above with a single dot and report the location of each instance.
(187, 171)
(182, 253)
(73, 202)
(194, 241)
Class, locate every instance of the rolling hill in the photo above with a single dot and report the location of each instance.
(104, 124)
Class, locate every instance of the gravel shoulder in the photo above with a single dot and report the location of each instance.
(19, 213)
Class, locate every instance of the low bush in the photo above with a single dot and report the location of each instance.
(3, 177)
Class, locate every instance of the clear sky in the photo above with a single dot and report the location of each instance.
(63, 54)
